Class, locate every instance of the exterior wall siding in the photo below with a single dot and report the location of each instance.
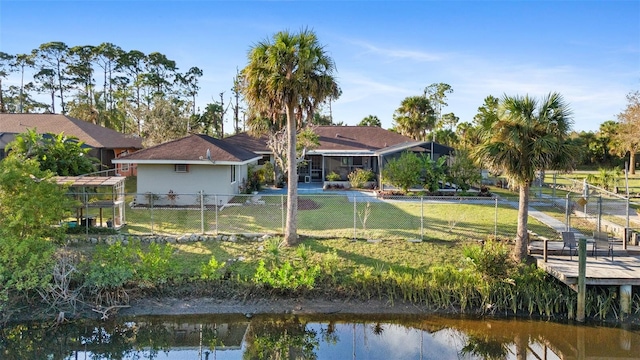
(212, 179)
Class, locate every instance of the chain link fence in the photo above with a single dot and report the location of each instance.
(357, 215)
(590, 208)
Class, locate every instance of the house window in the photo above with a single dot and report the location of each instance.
(357, 161)
(124, 167)
(233, 174)
(181, 168)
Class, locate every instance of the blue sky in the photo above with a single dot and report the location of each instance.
(589, 51)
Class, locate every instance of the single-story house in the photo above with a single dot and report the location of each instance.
(343, 149)
(106, 144)
(169, 171)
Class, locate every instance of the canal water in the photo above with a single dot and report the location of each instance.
(316, 337)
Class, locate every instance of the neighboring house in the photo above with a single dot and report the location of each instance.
(106, 144)
(343, 149)
(189, 165)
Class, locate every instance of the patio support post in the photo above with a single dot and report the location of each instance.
(202, 211)
(582, 285)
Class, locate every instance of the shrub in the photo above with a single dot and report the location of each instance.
(268, 173)
(491, 259)
(154, 266)
(359, 177)
(403, 172)
(212, 270)
(111, 267)
(333, 176)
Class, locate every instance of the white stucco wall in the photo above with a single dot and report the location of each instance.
(212, 179)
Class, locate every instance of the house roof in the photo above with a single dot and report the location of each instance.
(333, 139)
(192, 149)
(93, 135)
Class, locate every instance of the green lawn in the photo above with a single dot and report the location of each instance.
(323, 216)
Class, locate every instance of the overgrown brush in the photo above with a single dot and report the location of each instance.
(484, 281)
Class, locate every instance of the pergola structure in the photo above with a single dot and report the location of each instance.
(86, 190)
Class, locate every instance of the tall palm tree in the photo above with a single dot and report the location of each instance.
(289, 74)
(529, 136)
(415, 117)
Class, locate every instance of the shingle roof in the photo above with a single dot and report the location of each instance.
(93, 135)
(331, 138)
(357, 138)
(193, 148)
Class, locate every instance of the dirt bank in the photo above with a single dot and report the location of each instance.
(175, 306)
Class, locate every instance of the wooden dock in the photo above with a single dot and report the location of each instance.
(622, 269)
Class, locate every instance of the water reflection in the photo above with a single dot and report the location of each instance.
(314, 337)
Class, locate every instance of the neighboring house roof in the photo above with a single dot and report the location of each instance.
(192, 149)
(93, 135)
(333, 139)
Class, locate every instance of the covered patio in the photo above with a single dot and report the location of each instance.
(105, 193)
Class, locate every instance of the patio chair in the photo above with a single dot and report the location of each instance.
(569, 241)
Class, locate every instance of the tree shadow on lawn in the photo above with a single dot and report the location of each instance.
(404, 258)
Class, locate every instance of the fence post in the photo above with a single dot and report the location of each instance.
(582, 270)
(151, 210)
(599, 216)
(355, 210)
(202, 211)
(421, 218)
(86, 214)
(282, 210)
(627, 229)
(495, 223)
(566, 213)
(215, 199)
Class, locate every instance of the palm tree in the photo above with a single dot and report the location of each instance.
(415, 117)
(527, 137)
(370, 120)
(290, 74)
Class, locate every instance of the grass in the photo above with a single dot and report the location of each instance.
(333, 217)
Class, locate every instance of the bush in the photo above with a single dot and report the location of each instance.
(490, 259)
(93, 230)
(111, 267)
(333, 176)
(212, 270)
(268, 173)
(359, 177)
(155, 265)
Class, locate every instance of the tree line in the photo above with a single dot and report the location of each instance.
(125, 90)
(420, 117)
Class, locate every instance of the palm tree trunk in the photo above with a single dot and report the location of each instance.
(291, 233)
(522, 237)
